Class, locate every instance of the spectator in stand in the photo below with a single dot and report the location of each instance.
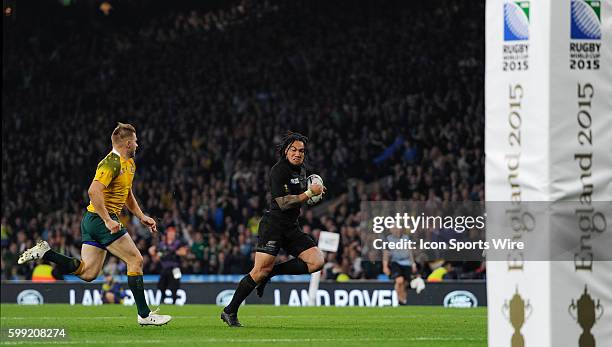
(444, 272)
(112, 292)
(372, 267)
(168, 254)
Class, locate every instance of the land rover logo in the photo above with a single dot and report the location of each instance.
(461, 299)
(30, 297)
(224, 298)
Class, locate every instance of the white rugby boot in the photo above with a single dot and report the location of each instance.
(154, 319)
(34, 253)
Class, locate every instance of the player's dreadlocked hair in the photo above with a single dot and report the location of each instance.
(287, 140)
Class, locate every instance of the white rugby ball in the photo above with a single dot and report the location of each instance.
(312, 179)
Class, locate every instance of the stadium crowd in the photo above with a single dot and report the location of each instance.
(392, 104)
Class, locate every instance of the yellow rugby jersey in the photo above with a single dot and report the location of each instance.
(116, 174)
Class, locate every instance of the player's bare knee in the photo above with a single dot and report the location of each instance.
(258, 274)
(88, 276)
(136, 261)
(317, 264)
(267, 270)
(262, 275)
(399, 280)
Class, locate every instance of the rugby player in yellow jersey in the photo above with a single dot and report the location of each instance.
(101, 230)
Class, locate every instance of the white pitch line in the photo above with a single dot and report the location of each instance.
(88, 317)
(265, 340)
(368, 316)
(251, 316)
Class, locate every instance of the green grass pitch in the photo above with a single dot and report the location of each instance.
(197, 325)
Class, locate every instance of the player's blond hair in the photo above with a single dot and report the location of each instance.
(122, 132)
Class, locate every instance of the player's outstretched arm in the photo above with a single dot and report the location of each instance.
(132, 205)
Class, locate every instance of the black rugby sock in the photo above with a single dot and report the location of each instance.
(65, 264)
(136, 285)
(245, 287)
(295, 266)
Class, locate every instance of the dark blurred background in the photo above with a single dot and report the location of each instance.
(390, 94)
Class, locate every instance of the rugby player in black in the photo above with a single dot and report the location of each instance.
(279, 227)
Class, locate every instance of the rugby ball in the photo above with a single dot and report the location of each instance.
(312, 179)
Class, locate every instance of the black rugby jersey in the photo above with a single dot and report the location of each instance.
(286, 179)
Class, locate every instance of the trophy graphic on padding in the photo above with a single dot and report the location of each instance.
(586, 312)
(517, 311)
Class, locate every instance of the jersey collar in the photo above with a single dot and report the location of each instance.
(117, 153)
(296, 168)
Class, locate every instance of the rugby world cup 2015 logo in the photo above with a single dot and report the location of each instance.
(586, 20)
(515, 56)
(585, 35)
(516, 20)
